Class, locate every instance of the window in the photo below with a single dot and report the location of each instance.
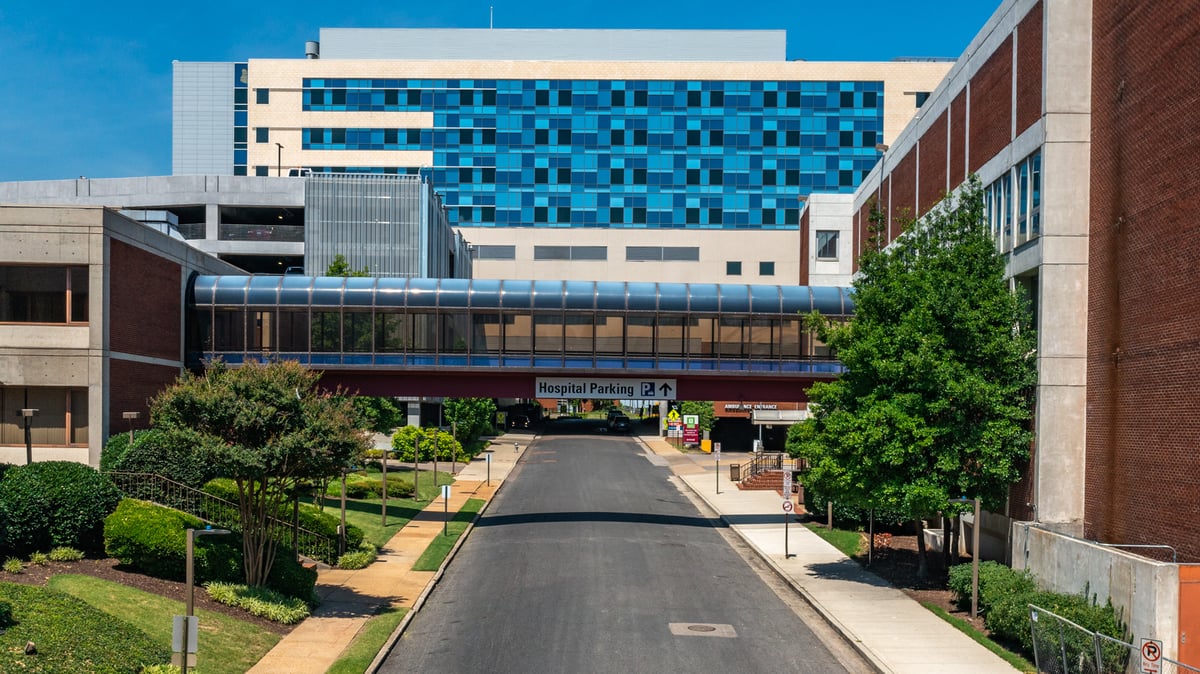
(827, 245)
(495, 252)
(766, 268)
(43, 294)
(61, 418)
(733, 268)
(262, 96)
(570, 253)
(262, 135)
(261, 170)
(662, 254)
(921, 97)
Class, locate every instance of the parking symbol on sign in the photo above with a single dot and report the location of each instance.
(647, 389)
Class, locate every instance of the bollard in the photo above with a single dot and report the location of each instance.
(516, 447)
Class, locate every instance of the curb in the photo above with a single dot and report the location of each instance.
(388, 645)
(832, 621)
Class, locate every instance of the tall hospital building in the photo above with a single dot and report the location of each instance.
(639, 155)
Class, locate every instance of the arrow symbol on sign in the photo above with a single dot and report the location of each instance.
(665, 388)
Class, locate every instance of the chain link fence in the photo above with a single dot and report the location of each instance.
(1063, 647)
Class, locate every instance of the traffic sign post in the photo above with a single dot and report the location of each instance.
(1152, 653)
(717, 456)
(489, 468)
(787, 509)
(446, 510)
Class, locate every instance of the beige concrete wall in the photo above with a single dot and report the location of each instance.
(831, 212)
(1146, 591)
(716, 248)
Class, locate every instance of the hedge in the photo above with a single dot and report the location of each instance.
(311, 517)
(53, 503)
(153, 540)
(361, 486)
(152, 452)
(1004, 598)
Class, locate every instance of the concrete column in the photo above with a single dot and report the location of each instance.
(212, 222)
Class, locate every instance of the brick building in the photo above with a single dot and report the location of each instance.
(1079, 118)
(91, 325)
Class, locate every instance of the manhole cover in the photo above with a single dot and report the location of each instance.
(702, 630)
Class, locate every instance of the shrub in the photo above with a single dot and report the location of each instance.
(996, 583)
(4, 468)
(260, 602)
(39, 558)
(65, 554)
(152, 452)
(1009, 618)
(113, 450)
(160, 669)
(311, 517)
(430, 439)
(55, 503)
(13, 565)
(360, 486)
(153, 539)
(71, 636)
(359, 559)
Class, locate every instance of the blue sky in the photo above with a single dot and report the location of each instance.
(87, 87)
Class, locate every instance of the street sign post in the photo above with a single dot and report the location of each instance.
(717, 456)
(787, 509)
(446, 510)
(1151, 652)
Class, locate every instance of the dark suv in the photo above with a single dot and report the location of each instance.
(620, 424)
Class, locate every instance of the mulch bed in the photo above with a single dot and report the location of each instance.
(111, 570)
(895, 560)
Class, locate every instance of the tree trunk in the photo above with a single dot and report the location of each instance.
(922, 563)
(956, 534)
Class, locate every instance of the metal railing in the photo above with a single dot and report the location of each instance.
(1063, 647)
(163, 491)
(767, 461)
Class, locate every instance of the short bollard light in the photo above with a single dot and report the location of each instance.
(186, 625)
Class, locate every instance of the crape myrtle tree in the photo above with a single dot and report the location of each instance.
(936, 400)
(267, 427)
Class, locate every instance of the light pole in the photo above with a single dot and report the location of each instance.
(278, 159)
(974, 555)
(130, 417)
(27, 413)
(191, 584)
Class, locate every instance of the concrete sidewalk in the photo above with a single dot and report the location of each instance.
(889, 628)
(350, 598)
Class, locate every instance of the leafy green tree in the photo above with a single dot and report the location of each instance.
(377, 414)
(702, 409)
(266, 427)
(340, 267)
(937, 396)
(472, 417)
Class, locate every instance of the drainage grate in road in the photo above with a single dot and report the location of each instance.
(702, 630)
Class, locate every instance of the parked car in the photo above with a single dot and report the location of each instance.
(620, 424)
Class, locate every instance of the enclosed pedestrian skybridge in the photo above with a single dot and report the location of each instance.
(359, 329)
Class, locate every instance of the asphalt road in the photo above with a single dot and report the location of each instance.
(591, 560)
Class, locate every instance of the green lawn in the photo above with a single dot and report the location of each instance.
(965, 627)
(71, 636)
(432, 558)
(227, 645)
(849, 542)
(359, 654)
(365, 513)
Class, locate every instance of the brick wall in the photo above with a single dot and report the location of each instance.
(958, 139)
(904, 193)
(1143, 432)
(1029, 69)
(991, 106)
(131, 385)
(933, 166)
(144, 303)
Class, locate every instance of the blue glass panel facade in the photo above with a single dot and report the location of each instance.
(617, 153)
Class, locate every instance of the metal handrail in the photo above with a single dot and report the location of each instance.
(167, 492)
